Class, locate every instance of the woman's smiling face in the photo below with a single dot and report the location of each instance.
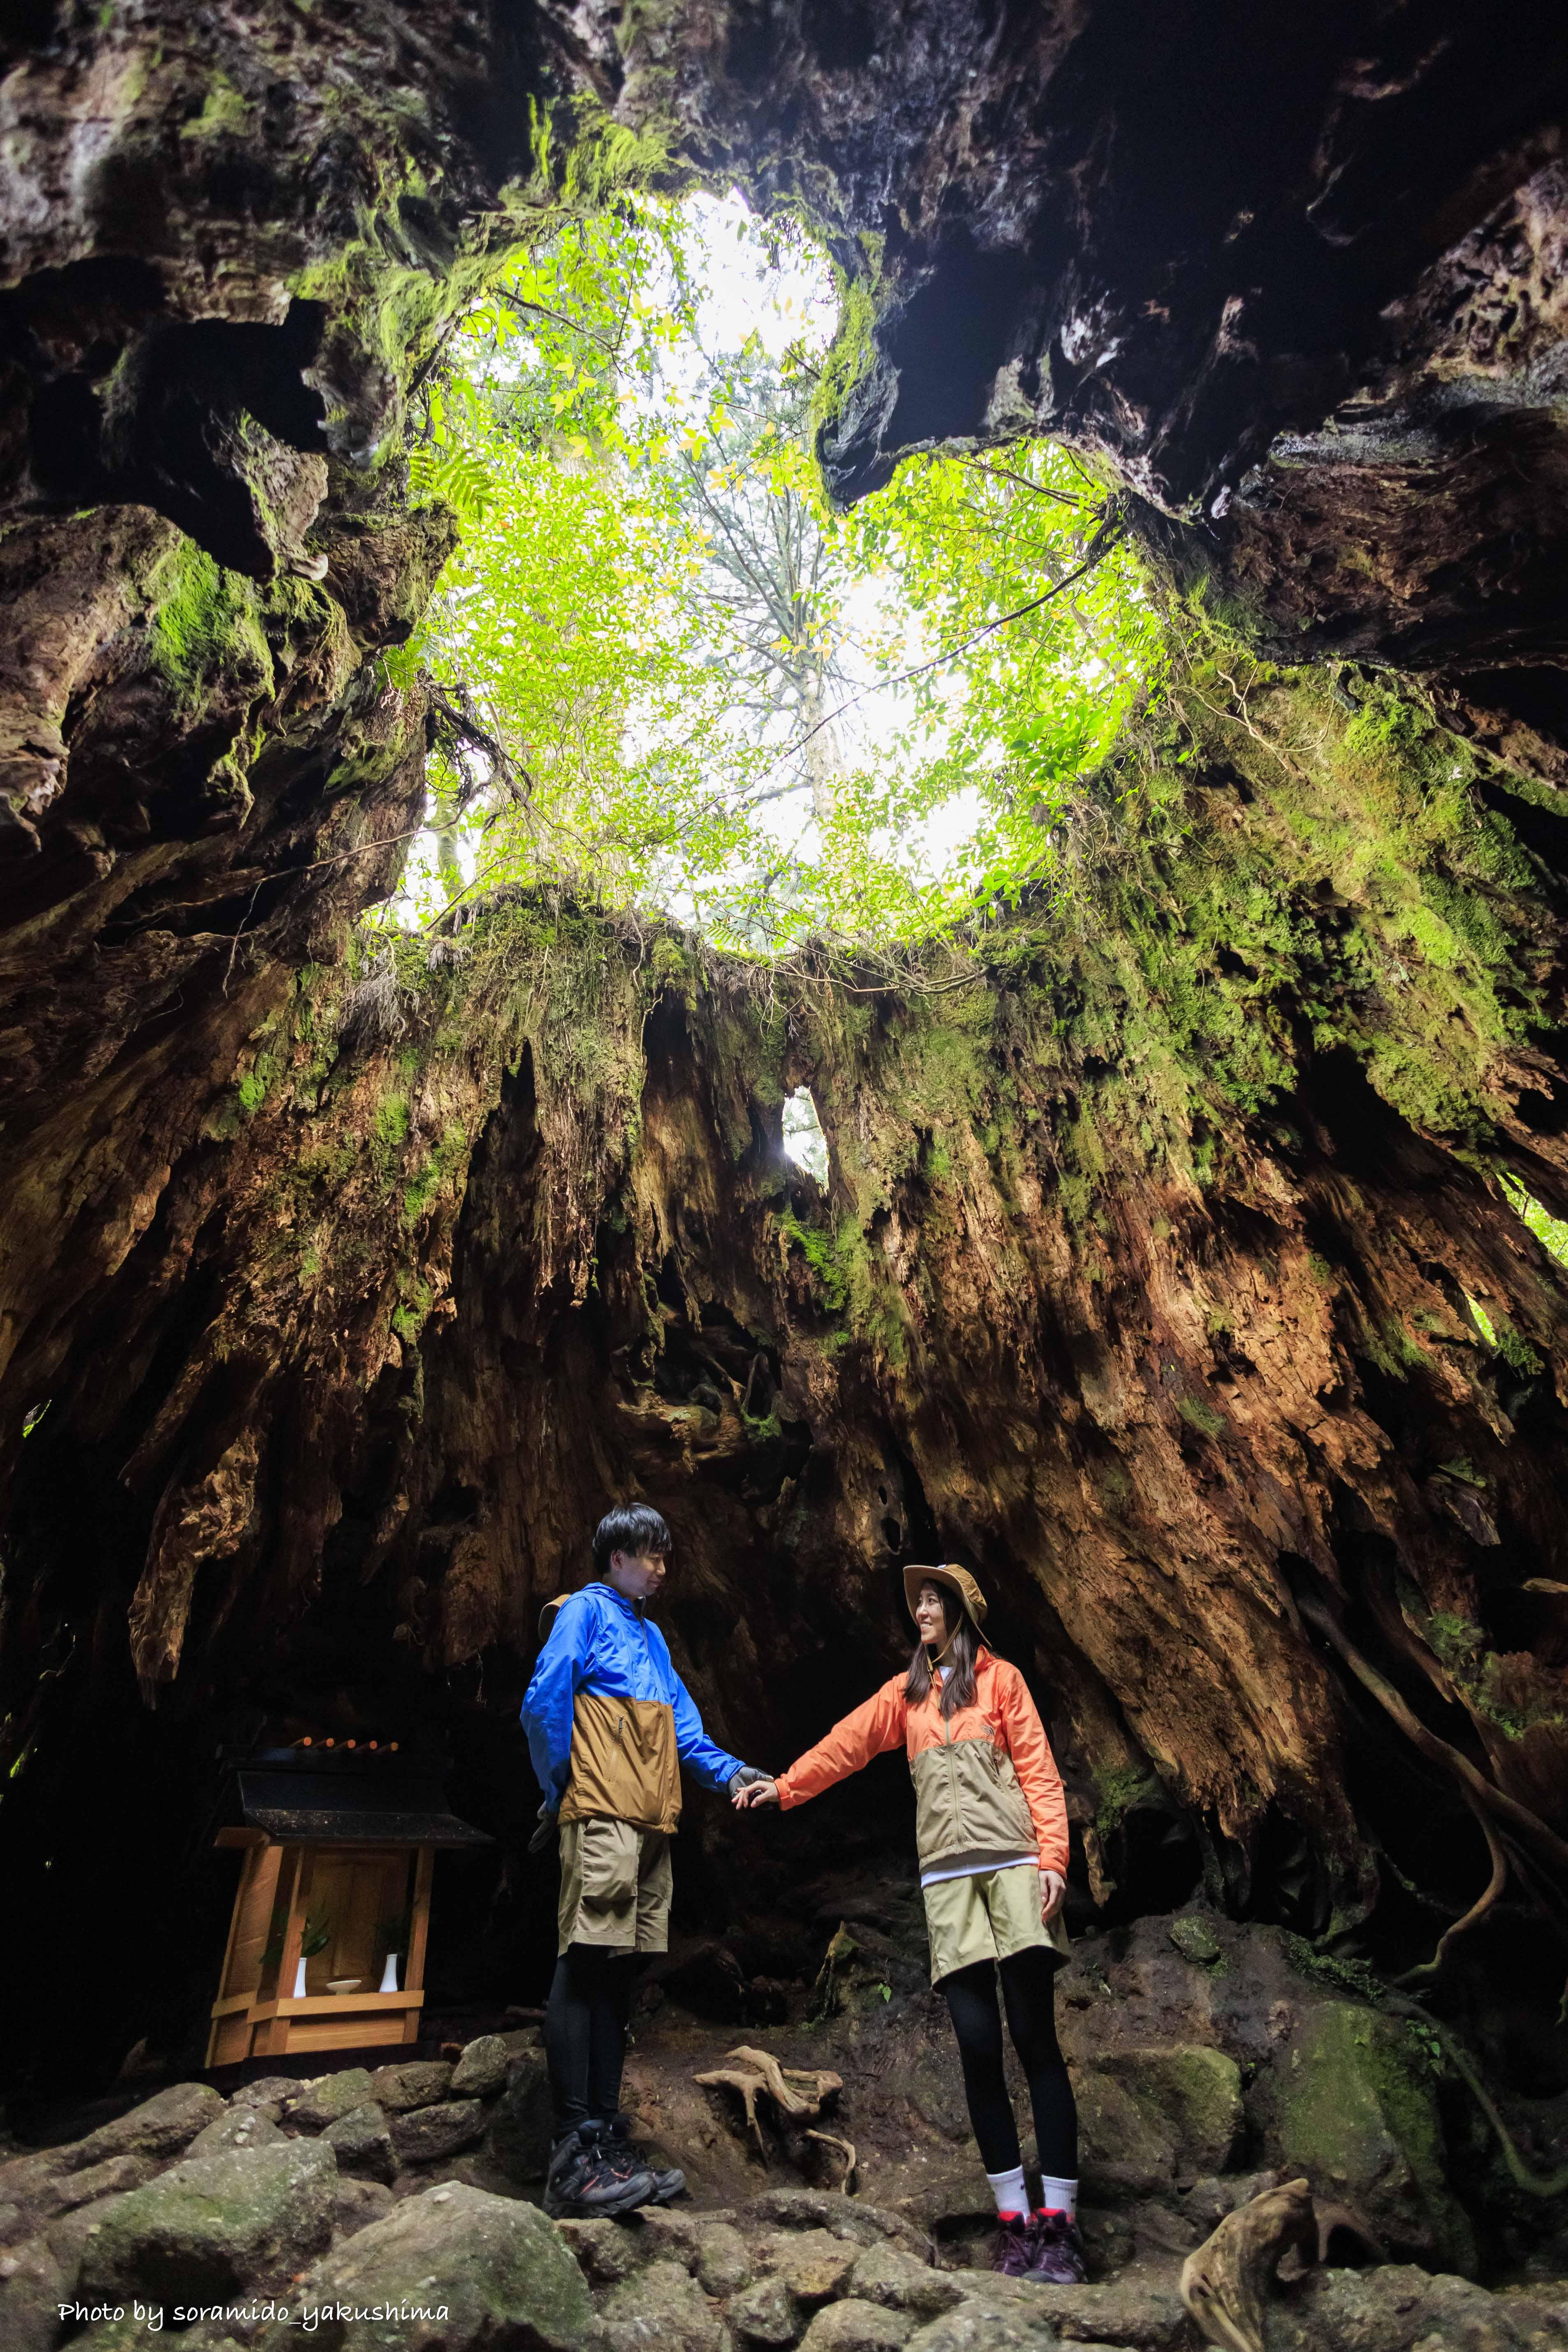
(931, 1616)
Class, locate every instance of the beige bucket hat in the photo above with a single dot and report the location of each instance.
(957, 1580)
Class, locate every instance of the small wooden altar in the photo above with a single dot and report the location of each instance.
(345, 1836)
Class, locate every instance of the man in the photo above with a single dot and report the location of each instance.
(609, 1724)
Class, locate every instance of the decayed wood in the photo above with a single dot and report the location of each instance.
(846, 2153)
(1225, 2283)
(796, 2092)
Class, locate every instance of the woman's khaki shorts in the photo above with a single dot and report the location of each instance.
(986, 1918)
(615, 1886)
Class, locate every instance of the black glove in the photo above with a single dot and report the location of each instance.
(548, 1824)
(746, 1775)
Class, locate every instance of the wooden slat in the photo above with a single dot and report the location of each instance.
(317, 2004)
(274, 2042)
(229, 2041)
(237, 1836)
(252, 1920)
(413, 1973)
(311, 2033)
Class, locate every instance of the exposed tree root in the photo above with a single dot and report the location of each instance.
(846, 2151)
(1482, 1792)
(1224, 2283)
(797, 2092)
(1533, 2184)
(1430, 1970)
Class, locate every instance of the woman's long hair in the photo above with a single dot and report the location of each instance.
(962, 1648)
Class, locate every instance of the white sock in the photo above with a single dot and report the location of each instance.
(1060, 2197)
(1008, 2190)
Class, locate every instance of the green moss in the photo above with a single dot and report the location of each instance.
(1516, 1350)
(225, 109)
(205, 621)
(390, 1125)
(1118, 1790)
(1359, 2115)
(1200, 1416)
(850, 357)
(449, 1158)
(1196, 1941)
(1346, 1976)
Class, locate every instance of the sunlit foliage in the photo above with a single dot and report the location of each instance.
(693, 684)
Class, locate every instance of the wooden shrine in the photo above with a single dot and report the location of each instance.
(338, 1841)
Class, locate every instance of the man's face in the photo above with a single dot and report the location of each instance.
(636, 1575)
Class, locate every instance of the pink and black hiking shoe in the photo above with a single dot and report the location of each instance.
(1013, 2248)
(1055, 2251)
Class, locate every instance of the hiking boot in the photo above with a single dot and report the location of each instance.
(1055, 2251)
(1012, 2248)
(666, 2183)
(591, 2178)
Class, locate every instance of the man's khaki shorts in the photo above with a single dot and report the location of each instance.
(987, 1917)
(615, 1886)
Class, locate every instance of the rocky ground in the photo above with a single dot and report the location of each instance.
(1207, 2066)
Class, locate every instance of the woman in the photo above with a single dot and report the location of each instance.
(989, 1814)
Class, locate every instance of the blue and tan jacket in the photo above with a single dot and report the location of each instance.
(610, 1722)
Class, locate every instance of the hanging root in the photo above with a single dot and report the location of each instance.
(846, 2154)
(1527, 1827)
(1224, 2283)
(1478, 1910)
(1533, 2184)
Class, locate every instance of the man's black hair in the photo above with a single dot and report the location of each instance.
(630, 1527)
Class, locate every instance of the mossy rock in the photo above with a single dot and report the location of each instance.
(1358, 2115)
(1196, 2091)
(495, 2266)
(214, 2226)
(1125, 2149)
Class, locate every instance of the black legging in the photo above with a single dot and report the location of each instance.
(585, 2021)
(1028, 1987)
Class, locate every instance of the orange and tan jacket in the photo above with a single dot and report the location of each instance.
(985, 1779)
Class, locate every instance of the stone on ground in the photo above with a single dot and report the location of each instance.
(1125, 2150)
(1195, 2091)
(415, 2082)
(32, 2284)
(813, 2264)
(841, 2217)
(315, 2104)
(660, 2310)
(428, 2133)
(237, 2128)
(856, 2326)
(521, 2123)
(356, 2204)
(766, 2314)
(270, 2093)
(362, 2142)
(160, 2127)
(979, 2327)
(724, 2264)
(1358, 2114)
(1396, 2307)
(605, 2253)
(1138, 2311)
(481, 2072)
(213, 2225)
(887, 2275)
(498, 2266)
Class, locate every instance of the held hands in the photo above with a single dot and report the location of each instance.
(746, 1796)
(1053, 1886)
